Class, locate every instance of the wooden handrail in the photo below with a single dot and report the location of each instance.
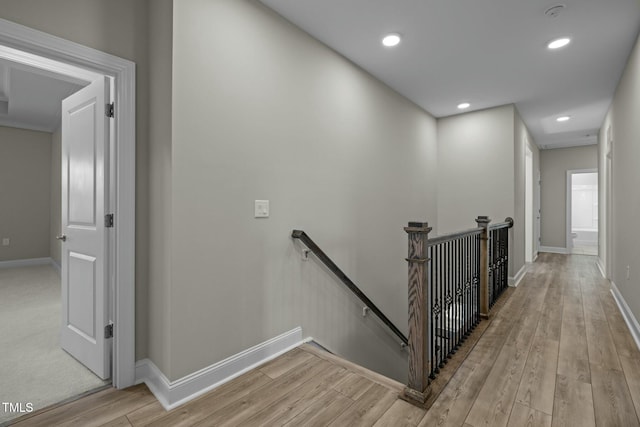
(453, 236)
(304, 238)
(508, 223)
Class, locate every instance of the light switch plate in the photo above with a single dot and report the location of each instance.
(6, 241)
(261, 209)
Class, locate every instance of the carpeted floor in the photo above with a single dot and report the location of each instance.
(33, 367)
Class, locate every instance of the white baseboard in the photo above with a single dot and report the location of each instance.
(515, 281)
(553, 250)
(629, 318)
(172, 394)
(56, 265)
(25, 262)
(601, 267)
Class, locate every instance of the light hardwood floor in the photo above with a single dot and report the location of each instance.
(558, 353)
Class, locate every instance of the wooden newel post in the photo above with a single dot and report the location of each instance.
(483, 221)
(418, 388)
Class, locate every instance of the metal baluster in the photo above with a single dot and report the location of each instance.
(432, 345)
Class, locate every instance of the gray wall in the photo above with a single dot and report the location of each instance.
(475, 168)
(25, 171)
(160, 103)
(118, 27)
(272, 114)
(554, 165)
(476, 171)
(624, 114)
(55, 222)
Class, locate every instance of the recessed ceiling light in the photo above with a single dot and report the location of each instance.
(563, 119)
(464, 106)
(558, 43)
(391, 40)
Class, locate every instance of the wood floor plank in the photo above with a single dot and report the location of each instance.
(353, 367)
(123, 421)
(200, 408)
(290, 405)
(573, 356)
(573, 403)
(62, 414)
(401, 414)
(551, 317)
(602, 349)
(285, 363)
(631, 369)
(538, 383)
(522, 415)
(493, 404)
(239, 410)
(107, 413)
(324, 409)
(146, 414)
(368, 409)
(612, 401)
(353, 386)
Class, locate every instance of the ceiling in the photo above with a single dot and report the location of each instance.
(487, 53)
(30, 98)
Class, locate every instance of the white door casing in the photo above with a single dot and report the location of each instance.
(537, 234)
(36, 48)
(85, 154)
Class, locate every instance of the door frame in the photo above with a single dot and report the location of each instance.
(570, 173)
(529, 225)
(76, 61)
(609, 206)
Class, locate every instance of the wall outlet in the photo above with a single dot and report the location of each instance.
(6, 241)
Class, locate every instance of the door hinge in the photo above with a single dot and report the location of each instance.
(108, 331)
(110, 110)
(108, 220)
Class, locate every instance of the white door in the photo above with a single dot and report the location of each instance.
(85, 130)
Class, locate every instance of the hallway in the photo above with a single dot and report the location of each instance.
(558, 353)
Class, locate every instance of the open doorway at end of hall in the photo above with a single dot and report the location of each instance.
(582, 212)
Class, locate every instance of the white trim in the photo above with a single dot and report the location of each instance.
(27, 126)
(515, 281)
(629, 318)
(172, 394)
(56, 265)
(25, 262)
(600, 267)
(77, 61)
(553, 250)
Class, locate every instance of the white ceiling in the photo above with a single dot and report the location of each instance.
(30, 98)
(488, 53)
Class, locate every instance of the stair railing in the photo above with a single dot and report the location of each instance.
(319, 253)
(454, 280)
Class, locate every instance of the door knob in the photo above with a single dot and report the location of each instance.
(62, 237)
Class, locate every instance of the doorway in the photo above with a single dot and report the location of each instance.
(54, 55)
(582, 212)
